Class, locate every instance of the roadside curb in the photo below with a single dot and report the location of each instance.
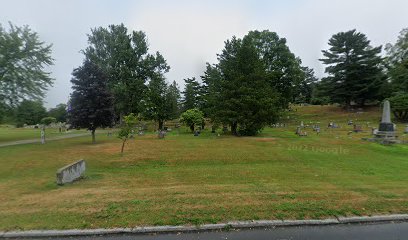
(205, 227)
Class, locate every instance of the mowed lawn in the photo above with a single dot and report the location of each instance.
(184, 179)
(10, 134)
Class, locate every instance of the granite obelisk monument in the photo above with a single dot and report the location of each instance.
(387, 128)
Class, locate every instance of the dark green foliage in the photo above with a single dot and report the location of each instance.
(192, 117)
(399, 106)
(192, 94)
(173, 100)
(397, 62)
(354, 69)
(306, 87)
(252, 83)
(30, 113)
(23, 58)
(48, 120)
(59, 112)
(156, 103)
(91, 103)
(125, 59)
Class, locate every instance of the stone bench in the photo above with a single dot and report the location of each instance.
(70, 172)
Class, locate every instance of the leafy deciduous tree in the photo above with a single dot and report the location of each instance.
(91, 103)
(192, 117)
(30, 113)
(23, 59)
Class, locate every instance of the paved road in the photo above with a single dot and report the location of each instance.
(6, 144)
(384, 231)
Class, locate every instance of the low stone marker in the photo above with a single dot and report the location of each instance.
(70, 172)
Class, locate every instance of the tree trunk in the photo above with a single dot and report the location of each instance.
(192, 127)
(234, 127)
(123, 146)
(161, 125)
(93, 136)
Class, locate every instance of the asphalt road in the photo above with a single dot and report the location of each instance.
(384, 231)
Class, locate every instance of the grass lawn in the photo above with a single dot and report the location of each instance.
(207, 179)
(9, 134)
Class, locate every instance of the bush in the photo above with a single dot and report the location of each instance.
(399, 106)
(192, 117)
(48, 120)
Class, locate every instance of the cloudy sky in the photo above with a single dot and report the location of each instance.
(190, 33)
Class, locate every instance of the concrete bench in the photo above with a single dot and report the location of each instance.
(70, 172)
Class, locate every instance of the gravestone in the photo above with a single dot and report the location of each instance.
(162, 134)
(70, 172)
(42, 135)
(386, 129)
(357, 128)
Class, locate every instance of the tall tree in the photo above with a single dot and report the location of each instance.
(30, 113)
(173, 100)
(305, 86)
(155, 103)
(354, 69)
(124, 57)
(397, 62)
(253, 81)
(192, 94)
(91, 103)
(23, 59)
(59, 112)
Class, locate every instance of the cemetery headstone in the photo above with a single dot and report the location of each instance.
(162, 134)
(386, 129)
(70, 172)
(42, 135)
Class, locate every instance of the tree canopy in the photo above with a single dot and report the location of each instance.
(253, 81)
(125, 59)
(354, 69)
(91, 103)
(30, 113)
(397, 62)
(23, 60)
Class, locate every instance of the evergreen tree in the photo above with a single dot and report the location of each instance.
(192, 94)
(254, 80)
(354, 69)
(173, 100)
(91, 103)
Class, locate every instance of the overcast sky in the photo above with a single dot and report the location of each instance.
(190, 33)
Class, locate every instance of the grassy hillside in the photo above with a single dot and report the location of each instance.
(184, 179)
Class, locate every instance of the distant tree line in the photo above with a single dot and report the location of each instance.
(255, 79)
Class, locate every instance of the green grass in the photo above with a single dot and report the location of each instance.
(207, 179)
(9, 134)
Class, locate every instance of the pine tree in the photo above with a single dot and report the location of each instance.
(354, 69)
(192, 94)
(91, 103)
(173, 100)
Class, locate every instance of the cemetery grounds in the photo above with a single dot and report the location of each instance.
(187, 180)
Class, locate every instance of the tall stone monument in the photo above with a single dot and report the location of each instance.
(387, 128)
